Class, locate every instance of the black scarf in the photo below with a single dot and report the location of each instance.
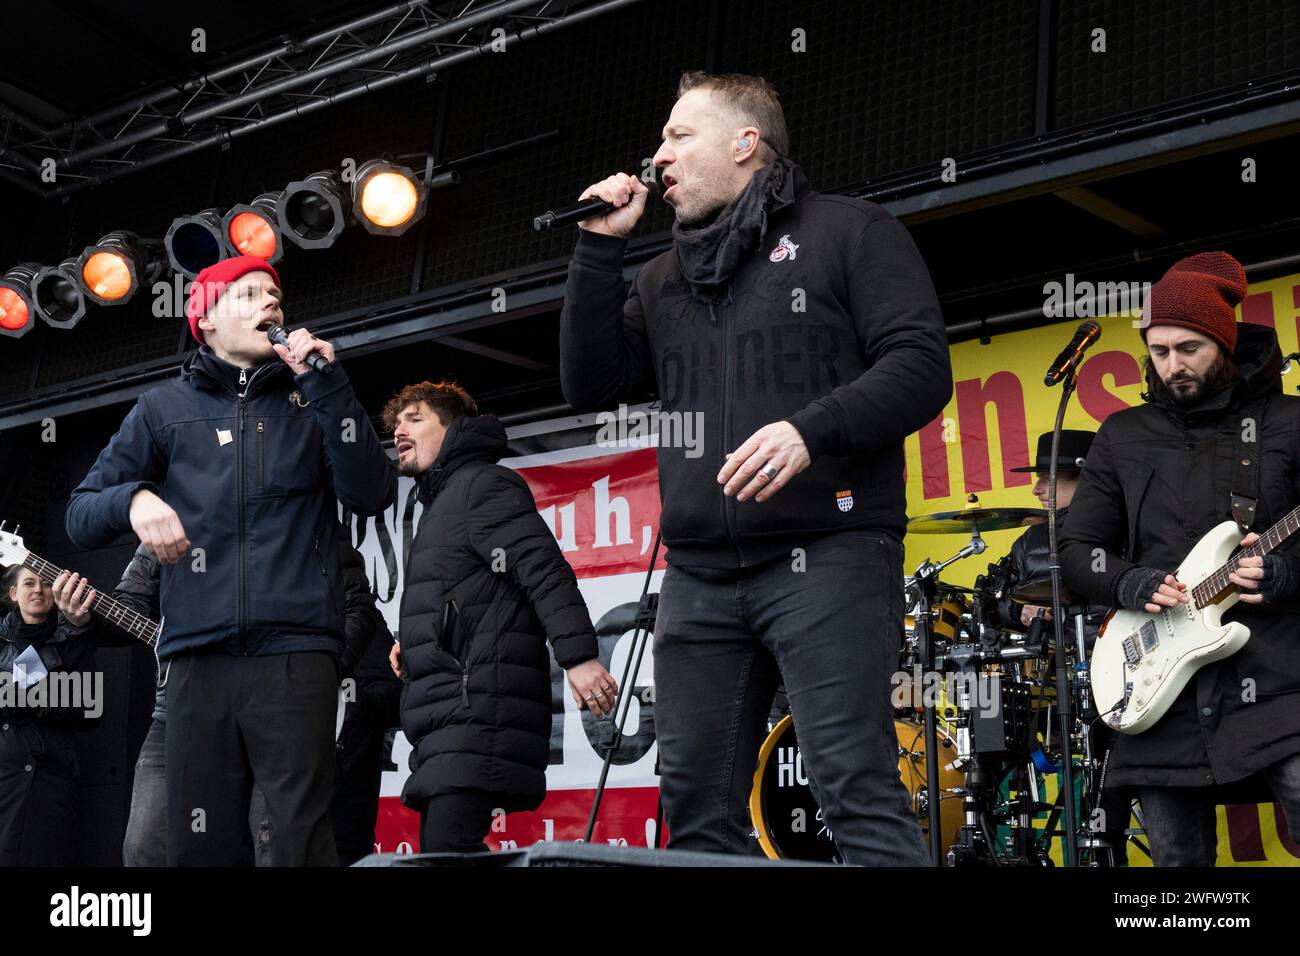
(708, 254)
(25, 634)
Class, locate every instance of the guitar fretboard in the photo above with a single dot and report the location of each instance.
(134, 623)
(1218, 582)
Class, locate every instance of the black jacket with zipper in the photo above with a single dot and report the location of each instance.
(252, 469)
(1158, 477)
(842, 336)
(485, 588)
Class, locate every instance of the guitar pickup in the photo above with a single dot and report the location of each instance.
(1132, 652)
(1150, 641)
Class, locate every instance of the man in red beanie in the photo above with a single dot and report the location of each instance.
(1216, 439)
(232, 475)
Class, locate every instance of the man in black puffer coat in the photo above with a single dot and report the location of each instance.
(485, 588)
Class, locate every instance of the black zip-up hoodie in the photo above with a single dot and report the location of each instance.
(252, 469)
(829, 321)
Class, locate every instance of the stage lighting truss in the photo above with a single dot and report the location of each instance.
(290, 78)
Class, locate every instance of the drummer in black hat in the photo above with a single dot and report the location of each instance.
(1028, 559)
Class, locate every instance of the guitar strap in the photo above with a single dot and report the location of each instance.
(1245, 484)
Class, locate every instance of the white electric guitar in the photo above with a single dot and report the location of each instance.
(1141, 661)
(137, 625)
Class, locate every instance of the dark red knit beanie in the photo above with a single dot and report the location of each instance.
(211, 282)
(1200, 293)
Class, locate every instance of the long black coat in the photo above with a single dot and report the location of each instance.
(39, 788)
(1157, 479)
(486, 587)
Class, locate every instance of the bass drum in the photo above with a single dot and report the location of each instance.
(787, 820)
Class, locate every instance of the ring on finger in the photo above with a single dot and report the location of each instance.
(769, 471)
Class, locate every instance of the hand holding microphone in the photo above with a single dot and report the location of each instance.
(300, 351)
(627, 194)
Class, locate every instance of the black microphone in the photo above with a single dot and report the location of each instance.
(1087, 333)
(279, 336)
(594, 206)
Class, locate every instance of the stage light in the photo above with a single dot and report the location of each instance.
(17, 310)
(194, 242)
(388, 199)
(58, 296)
(113, 269)
(253, 229)
(312, 212)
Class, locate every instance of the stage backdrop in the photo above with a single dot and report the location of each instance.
(602, 503)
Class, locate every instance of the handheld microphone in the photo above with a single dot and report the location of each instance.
(279, 336)
(594, 206)
(1087, 333)
(582, 209)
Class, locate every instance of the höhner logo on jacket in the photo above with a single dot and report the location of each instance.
(784, 248)
(844, 499)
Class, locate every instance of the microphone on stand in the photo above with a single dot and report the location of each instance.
(1087, 333)
(315, 360)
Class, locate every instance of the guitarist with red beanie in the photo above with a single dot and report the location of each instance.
(1214, 440)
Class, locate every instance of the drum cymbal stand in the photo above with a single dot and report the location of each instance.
(927, 582)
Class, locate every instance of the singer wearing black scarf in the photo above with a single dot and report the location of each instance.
(802, 332)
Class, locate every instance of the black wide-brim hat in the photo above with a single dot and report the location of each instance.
(1074, 449)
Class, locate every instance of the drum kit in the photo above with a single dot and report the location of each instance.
(975, 703)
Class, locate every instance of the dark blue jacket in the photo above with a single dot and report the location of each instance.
(254, 479)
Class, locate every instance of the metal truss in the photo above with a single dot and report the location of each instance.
(295, 77)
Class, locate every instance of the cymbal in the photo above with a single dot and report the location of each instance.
(970, 519)
(1040, 592)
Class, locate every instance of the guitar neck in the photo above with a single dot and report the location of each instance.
(1272, 539)
(115, 612)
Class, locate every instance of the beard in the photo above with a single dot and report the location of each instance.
(1221, 373)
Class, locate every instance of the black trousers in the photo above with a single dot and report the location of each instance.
(830, 624)
(232, 720)
(457, 822)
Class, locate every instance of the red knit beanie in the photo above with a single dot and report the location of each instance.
(1200, 293)
(211, 282)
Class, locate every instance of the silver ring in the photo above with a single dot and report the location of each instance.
(769, 471)
(590, 697)
(600, 693)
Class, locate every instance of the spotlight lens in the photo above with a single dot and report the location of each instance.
(388, 199)
(252, 235)
(310, 216)
(106, 274)
(14, 314)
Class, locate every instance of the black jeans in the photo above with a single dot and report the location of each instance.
(829, 622)
(232, 720)
(145, 843)
(1182, 826)
(456, 822)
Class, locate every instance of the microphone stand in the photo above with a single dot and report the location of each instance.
(927, 579)
(1064, 708)
(647, 611)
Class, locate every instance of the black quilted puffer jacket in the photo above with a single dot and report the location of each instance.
(485, 588)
